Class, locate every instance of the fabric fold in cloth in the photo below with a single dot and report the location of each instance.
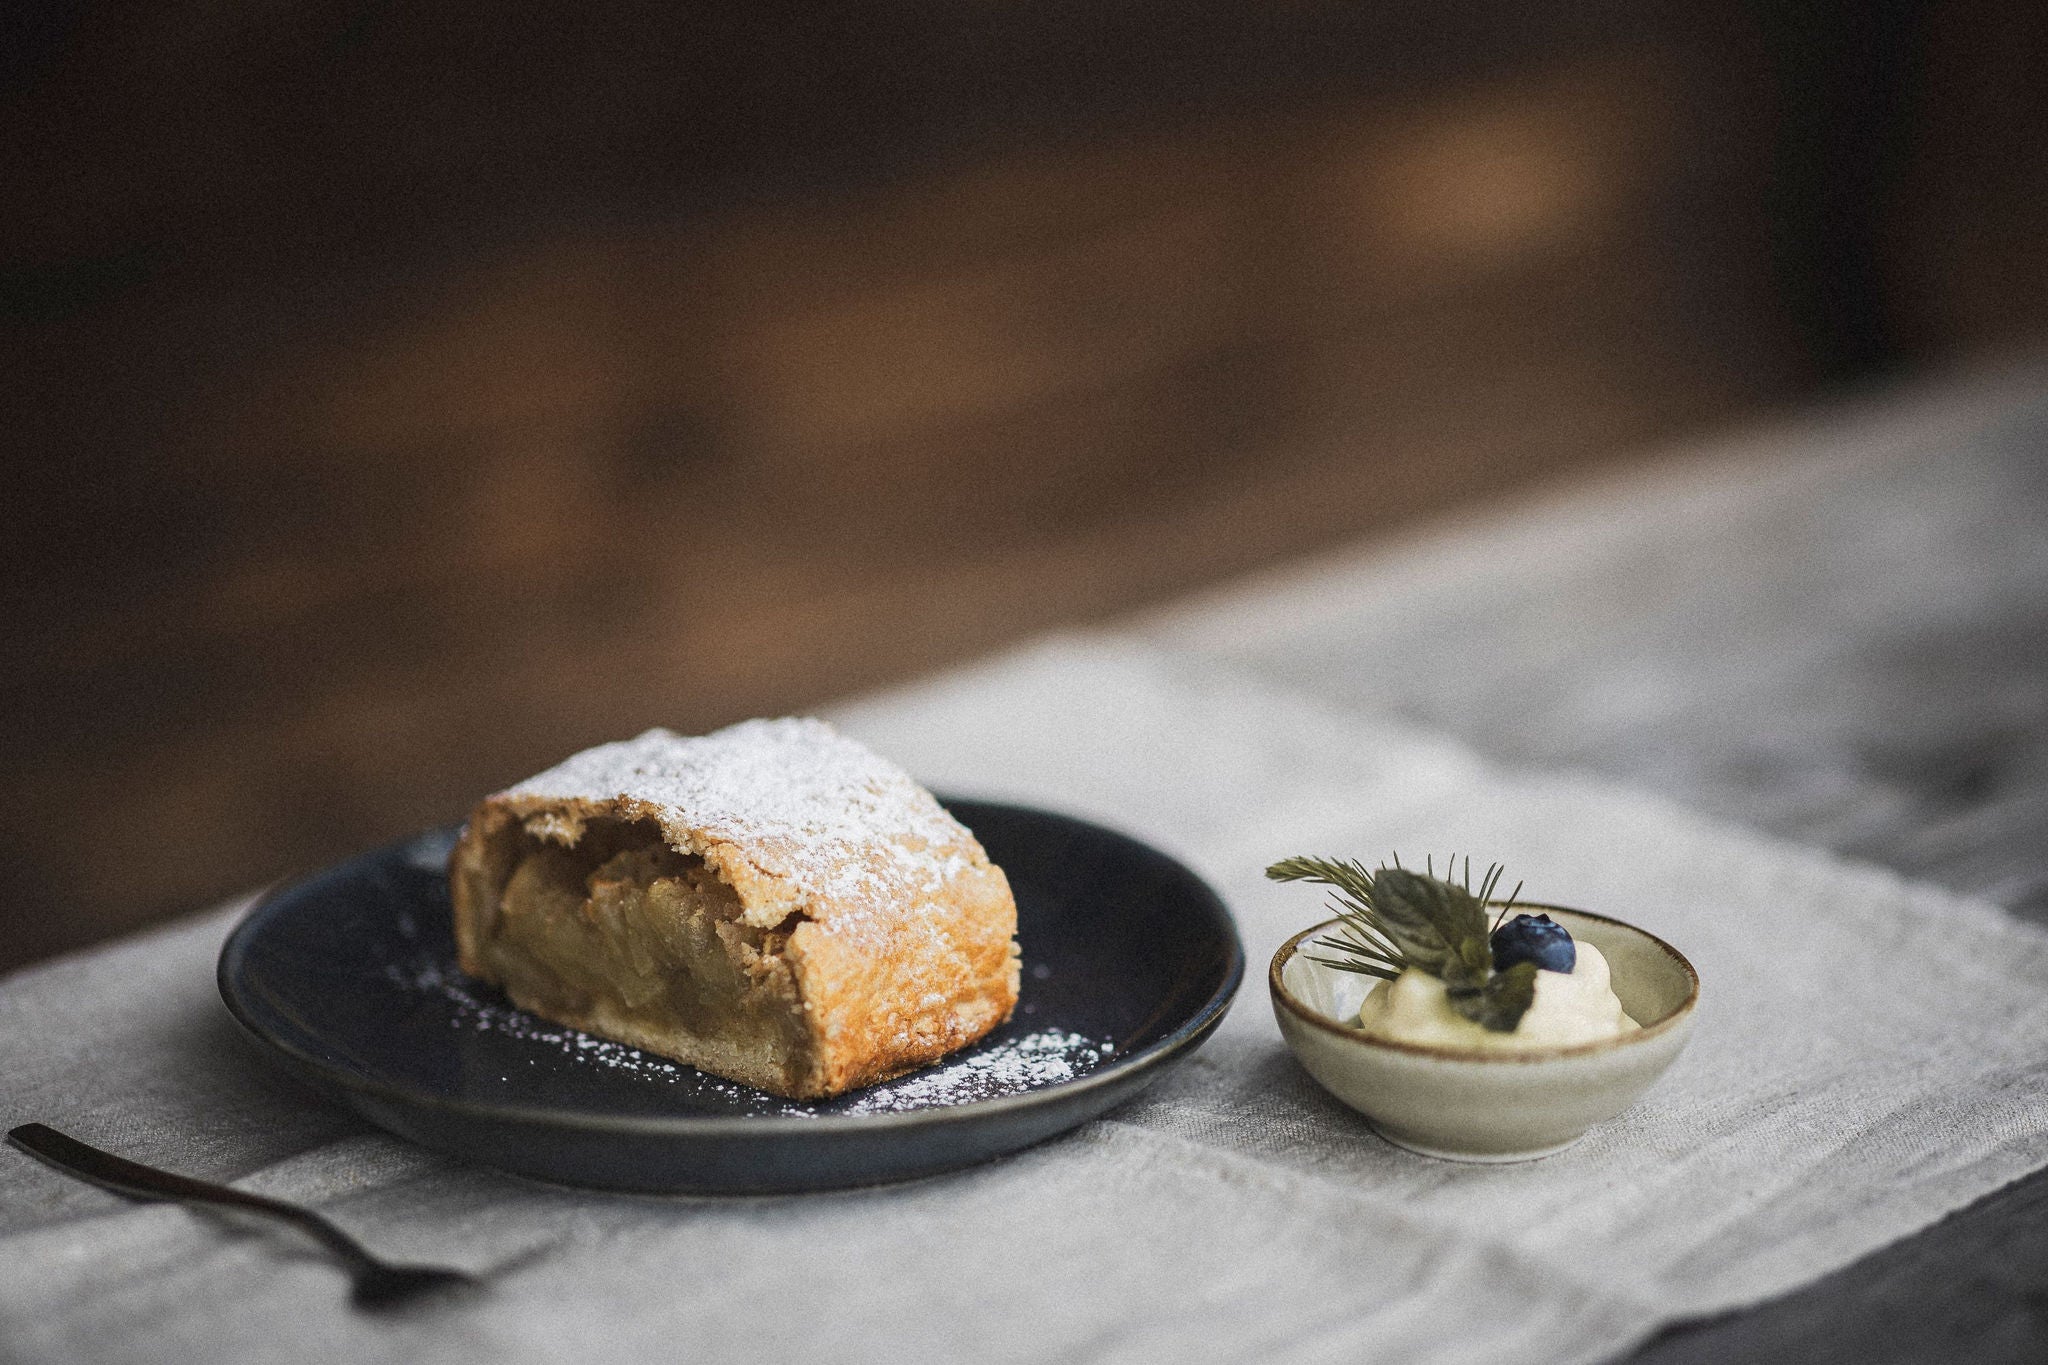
(1866, 1060)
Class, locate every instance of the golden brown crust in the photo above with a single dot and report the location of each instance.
(898, 931)
(883, 1007)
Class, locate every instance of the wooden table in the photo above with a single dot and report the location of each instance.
(1837, 633)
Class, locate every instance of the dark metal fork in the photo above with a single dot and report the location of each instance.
(377, 1283)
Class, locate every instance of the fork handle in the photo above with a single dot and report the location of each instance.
(138, 1181)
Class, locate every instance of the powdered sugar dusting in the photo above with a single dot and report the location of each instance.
(991, 1070)
(1007, 1067)
(839, 823)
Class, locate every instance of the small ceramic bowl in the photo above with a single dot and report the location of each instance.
(1467, 1106)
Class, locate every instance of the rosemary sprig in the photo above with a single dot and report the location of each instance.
(1505, 906)
(1395, 919)
(1369, 944)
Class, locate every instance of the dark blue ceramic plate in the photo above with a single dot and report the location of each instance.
(1129, 963)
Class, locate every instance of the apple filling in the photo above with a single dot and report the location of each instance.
(623, 935)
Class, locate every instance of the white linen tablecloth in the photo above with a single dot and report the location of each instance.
(1868, 1057)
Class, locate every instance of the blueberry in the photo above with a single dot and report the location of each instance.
(1534, 938)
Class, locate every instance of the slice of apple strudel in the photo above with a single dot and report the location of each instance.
(772, 903)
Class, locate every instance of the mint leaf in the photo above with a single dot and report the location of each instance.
(1500, 1001)
(1440, 925)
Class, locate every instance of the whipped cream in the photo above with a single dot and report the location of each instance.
(1578, 1006)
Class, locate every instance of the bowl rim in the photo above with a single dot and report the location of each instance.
(1286, 999)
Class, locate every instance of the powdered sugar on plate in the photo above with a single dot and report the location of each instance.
(1001, 1066)
(1007, 1067)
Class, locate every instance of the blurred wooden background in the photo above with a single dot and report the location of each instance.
(397, 398)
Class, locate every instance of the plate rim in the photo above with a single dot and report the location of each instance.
(1190, 1032)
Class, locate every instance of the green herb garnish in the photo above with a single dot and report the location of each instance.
(1395, 919)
